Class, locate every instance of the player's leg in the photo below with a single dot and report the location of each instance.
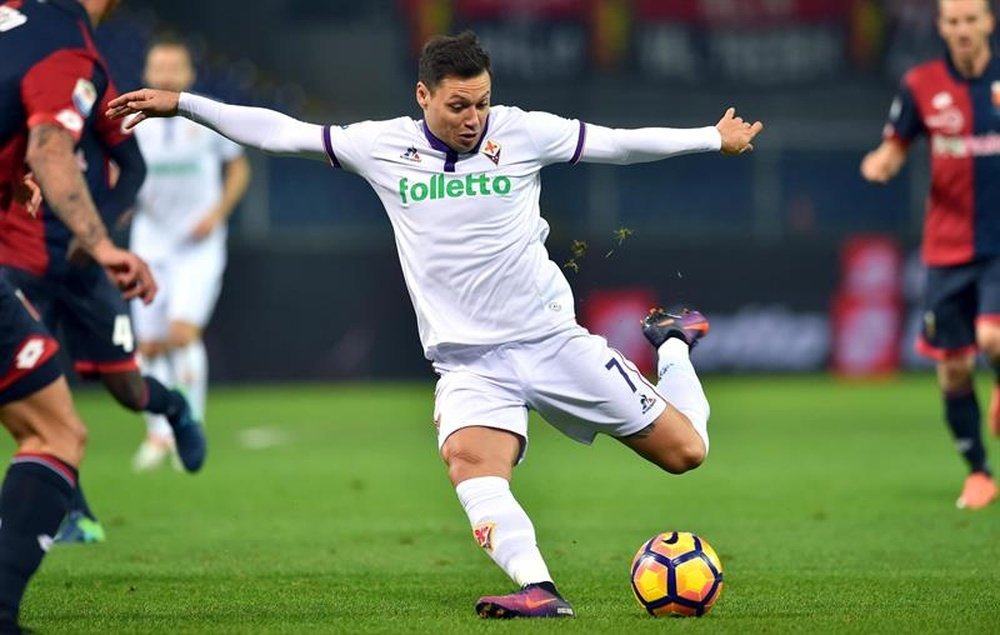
(36, 408)
(152, 328)
(988, 333)
(480, 460)
(158, 445)
(100, 336)
(189, 361)
(677, 440)
(948, 336)
(190, 308)
(38, 487)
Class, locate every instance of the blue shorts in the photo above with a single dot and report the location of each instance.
(89, 311)
(27, 350)
(955, 299)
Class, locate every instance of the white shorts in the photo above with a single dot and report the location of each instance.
(190, 281)
(572, 378)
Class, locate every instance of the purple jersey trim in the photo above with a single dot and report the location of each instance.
(579, 144)
(328, 144)
(451, 157)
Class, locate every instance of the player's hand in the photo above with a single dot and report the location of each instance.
(206, 225)
(881, 164)
(143, 104)
(736, 133)
(128, 271)
(28, 193)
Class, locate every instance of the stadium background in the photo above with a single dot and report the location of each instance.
(325, 508)
(313, 289)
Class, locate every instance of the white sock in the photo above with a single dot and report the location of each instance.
(191, 372)
(680, 386)
(159, 369)
(502, 529)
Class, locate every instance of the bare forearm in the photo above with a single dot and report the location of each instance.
(50, 154)
(235, 183)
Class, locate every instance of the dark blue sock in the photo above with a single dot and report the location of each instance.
(163, 401)
(34, 499)
(961, 411)
(79, 502)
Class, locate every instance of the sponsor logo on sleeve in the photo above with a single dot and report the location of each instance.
(84, 96)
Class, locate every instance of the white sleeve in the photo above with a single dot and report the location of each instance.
(641, 145)
(266, 130)
(350, 147)
(556, 139)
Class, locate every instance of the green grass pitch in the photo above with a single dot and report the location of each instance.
(326, 509)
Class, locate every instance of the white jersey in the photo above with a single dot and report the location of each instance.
(467, 226)
(184, 181)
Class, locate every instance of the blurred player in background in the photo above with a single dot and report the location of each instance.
(52, 85)
(495, 314)
(71, 291)
(955, 101)
(196, 178)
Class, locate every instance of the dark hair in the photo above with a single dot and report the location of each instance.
(458, 56)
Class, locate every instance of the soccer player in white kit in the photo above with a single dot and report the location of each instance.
(495, 314)
(195, 179)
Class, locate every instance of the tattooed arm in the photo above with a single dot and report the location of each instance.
(53, 162)
(51, 156)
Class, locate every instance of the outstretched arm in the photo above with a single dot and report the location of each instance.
(884, 162)
(266, 130)
(732, 135)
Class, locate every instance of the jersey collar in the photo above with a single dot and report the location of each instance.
(451, 157)
(957, 76)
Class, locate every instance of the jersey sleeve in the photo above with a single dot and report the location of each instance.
(556, 139)
(349, 147)
(904, 123)
(59, 90)
(111, 132)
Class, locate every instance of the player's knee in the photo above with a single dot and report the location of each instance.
(67, 439)
(989, 343)
(148, 350)
(954, 373)
(183, 334)
(465, 463)
(684, 457)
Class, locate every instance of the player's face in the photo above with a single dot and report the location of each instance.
(169, 68)
(965, 26)
(456, 109)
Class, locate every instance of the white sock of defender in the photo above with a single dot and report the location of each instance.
(191, 372)
(159, 369)
(502, 528)
(680, 386)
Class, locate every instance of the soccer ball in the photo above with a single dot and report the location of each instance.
(676, 573)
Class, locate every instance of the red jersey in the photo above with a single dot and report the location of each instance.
(961, 118)
(51, 74)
